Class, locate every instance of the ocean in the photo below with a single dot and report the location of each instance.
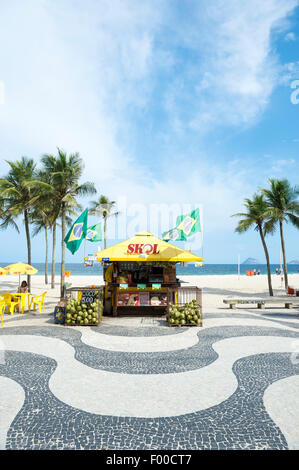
(78, 269)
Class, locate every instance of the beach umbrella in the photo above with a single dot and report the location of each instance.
(2, 272)
(20, 268)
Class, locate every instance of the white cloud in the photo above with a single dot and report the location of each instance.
(236, 69)
(291, 36)
(219, 190)
(79, 78)
(70, 74)
(289, 72)
(2, 93)
(280, 167)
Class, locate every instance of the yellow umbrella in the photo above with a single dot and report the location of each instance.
(2, 272)
(20, 268)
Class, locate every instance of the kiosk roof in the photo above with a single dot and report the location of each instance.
(145, 247)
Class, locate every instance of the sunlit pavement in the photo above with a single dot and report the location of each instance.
(135, 383)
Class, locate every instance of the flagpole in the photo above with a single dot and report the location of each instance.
(239, 266)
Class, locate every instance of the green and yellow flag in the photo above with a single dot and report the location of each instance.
(173, 235)
(77, 233)
(190, 223)
(94, 233)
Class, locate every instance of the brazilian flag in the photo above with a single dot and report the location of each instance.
(189, 223)
(94, 233)
(77, 233)
(173, 235)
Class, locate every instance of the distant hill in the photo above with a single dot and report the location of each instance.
(251, 261)
(295, 261)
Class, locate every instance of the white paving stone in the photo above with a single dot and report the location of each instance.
(212, 322)
(186, 339)
(183, 340)
(11, 401)
(281, 400)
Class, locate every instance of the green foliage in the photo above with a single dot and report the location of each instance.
(256, 216)
(20, 190)
(65, 173)
(103, 207)
(282, 206)
(282, 202)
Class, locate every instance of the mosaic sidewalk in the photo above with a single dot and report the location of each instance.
(137, 384)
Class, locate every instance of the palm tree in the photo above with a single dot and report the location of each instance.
(40, 220)
(41, 216)
(256, 216)
(68, 221)
(66, 172)
(283, 206)
(45, 217)
(20, 190)
(104, 208)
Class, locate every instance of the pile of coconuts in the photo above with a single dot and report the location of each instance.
(189, 314)
(78, 313)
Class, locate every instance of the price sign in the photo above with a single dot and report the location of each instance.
(88, 296)
(141, 286)
(123, 286)
(156, 286)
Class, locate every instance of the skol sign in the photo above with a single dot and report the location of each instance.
(140, 248)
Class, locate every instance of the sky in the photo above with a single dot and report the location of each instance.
(175, 102)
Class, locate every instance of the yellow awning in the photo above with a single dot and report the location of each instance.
(144, 247)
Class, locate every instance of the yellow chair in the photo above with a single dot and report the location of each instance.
(10, 302)
(38, 300)
(2, 310)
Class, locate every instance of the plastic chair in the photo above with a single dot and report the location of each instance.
(2, 310)
(38, 300)
(9, 303)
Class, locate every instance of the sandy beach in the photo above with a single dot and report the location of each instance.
(215, 288)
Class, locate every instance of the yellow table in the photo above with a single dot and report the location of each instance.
(22, 303)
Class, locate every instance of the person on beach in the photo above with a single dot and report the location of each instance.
(258, 272)
(24, 288)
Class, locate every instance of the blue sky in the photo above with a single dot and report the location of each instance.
(167, 101)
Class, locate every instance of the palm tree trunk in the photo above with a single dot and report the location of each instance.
(53, 255)
(47, 252)
(285, 270)
(28, 246)
(105, 228)
(62, 278)
(268, 261)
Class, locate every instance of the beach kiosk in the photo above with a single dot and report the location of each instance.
(140, 274)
